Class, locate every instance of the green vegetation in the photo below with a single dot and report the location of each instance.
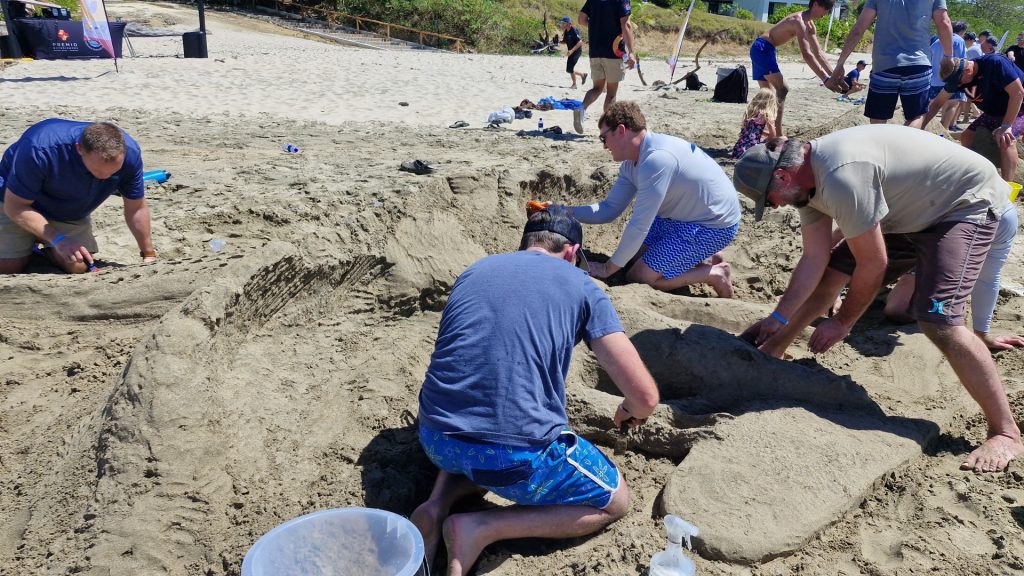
(514, 26)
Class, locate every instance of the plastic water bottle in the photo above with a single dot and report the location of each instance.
(156, 176)
(291, 148)
(217, 245)
(671, 561)
(625, 61)
(540, 123)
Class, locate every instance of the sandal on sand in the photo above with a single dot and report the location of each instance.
(417, 167)
(459, 124)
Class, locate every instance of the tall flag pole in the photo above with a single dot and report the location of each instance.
(96, 27)
(674, 59)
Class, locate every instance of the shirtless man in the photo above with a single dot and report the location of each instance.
(799, 26)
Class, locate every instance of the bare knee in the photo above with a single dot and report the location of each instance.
(781, 92)
(619, 505)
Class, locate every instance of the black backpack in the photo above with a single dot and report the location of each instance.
(732, 88)
(694, 83)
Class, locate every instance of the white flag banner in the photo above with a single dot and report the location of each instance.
(95, 28)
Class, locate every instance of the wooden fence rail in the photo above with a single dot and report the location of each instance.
(457, 44)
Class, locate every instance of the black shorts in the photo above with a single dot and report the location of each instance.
(570, 63)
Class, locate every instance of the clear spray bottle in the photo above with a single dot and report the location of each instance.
(671, 561)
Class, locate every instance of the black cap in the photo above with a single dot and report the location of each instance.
(559, 219)
(861, 63)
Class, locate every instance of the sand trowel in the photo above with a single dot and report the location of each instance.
(621, 438)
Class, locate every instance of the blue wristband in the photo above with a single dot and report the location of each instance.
(56, 240)
(780, 319)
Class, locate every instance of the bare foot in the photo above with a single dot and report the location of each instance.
(462, 538)
(994, 455)
(717, 258)
(721, 279)
(427, 518)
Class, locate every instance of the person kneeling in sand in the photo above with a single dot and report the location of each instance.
(897, 209)
(53, 177)
(686, 209)
(766, 69)
(492, 407)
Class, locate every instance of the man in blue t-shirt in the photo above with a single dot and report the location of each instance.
(1000, 87)
(53, 177)
(492, 407)
(611, 51)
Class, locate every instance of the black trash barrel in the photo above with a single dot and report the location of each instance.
(195, 44)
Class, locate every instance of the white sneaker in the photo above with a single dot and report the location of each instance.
(579, 115)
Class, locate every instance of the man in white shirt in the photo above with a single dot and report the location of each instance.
(686, 208)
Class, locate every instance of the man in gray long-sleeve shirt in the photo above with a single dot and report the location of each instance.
(686, 208)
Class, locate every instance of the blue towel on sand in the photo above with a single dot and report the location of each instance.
(566, 104)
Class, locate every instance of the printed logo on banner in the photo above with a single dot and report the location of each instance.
(62, 35)
(94, 45)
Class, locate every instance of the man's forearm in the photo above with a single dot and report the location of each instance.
(944, 28)
(1013, 109)
(139, 224)
(864, 285)
(32, 222)
(802, 283)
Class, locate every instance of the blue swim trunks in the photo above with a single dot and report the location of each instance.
(569, 471)
(762, 55)
(675, 247)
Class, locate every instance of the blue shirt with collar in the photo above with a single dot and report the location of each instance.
(45, 167)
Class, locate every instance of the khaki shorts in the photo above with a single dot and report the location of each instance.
(607, 69)
(16, 242)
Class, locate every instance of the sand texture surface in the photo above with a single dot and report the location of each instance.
(159, 419)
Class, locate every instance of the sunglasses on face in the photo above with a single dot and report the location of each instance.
(603, 136)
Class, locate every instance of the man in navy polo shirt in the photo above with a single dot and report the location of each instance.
(1000, 85)
(53, 177)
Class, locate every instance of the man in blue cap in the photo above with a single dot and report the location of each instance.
(574, 45)
(492, 407)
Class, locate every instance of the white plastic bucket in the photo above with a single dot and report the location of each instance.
(338, 542)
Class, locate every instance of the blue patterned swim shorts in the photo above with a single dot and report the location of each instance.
(675, 247)
(568, 471)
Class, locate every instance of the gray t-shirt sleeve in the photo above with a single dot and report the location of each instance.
(938, 5)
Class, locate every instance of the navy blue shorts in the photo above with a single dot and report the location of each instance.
(762, 56)
(570, 63)
(907, 84)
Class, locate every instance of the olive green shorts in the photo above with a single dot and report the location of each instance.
(16, 242)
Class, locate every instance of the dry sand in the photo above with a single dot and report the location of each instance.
(158, 419)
